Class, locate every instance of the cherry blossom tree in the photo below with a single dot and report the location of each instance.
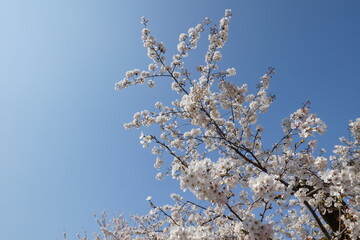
(209, 141)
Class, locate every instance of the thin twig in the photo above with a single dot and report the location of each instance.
(231, 210)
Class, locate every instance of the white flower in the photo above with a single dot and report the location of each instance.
(182, 47)
(151, 84)
(159, 177)
(231, 71)
(217, 56)
(144, 20)
(355, 129)
(159, 162)
(182, 37)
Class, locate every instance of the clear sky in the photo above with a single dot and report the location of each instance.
(63, 150)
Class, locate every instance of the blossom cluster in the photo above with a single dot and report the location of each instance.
(265, 186)
(210, 181)
(306, 124)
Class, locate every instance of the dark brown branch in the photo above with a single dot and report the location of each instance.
(231, 210)
(317, 219)
(170, 151)
(165, 213)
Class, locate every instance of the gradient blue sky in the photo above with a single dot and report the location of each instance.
(63, 150)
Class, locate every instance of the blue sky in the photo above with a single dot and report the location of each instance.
(64, 152)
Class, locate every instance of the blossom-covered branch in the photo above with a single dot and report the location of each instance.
(210, 140)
